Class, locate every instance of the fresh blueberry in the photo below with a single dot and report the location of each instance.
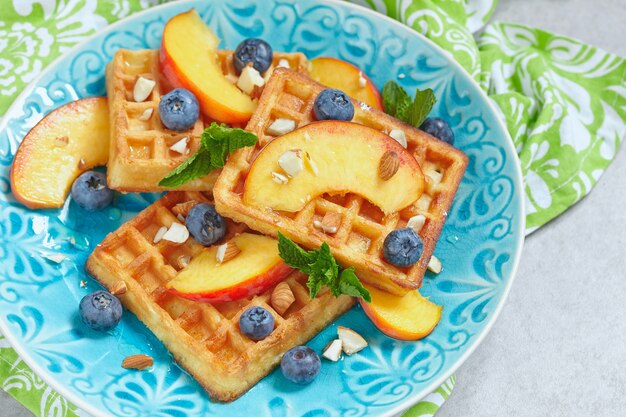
(438, 128)
(403, 247)
(100, 310)
(300, 365)
(257, 323)
(256, 51)
(205, 224)
(333, 104)
(90, 191)
(179, 109)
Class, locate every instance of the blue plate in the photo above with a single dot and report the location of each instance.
(480, 245)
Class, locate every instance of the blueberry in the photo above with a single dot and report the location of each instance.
(333, 104)
(300, 365)
(438, 128)
(90, 191)
(403, 247)
(257, 323)
(179, 109)
(205, 224)
(100, 310)
(256, 51)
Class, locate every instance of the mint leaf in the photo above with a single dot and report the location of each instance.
(218, 141)
(294, 255)
(398, 104)
(349, 284)
(196, 166)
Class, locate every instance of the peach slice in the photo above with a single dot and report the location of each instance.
(408, 317)
(337, 158)
(344, 76)
(68, 141)
(188, 59)
(252, 271)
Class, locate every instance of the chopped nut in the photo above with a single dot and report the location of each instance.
(119, 288)
(182, 209)
(139, 362)
(399, 136)
(291, 162)
(83, 284)
(232, 78)
(362, 80)
(248, 79)
(416, 222)
(61, 141)
(159, 234)
(330, 223)
(180, 146)
(181, 218)
(434, 265)
(82, 165)
(283, 63)
(143, 88)
(57, 258)
(389, 165)
(279, 178)
(282, 298)
(332, 351)
(310, 164)
(435, 176)
(227, 251)
(177, 233)
(281, 127)
(183, 261)
(352, 341)
(147, 113)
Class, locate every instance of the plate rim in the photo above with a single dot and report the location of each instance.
(409, 401)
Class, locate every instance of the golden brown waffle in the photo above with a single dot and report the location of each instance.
(140, 154)
(204, 338)
(359, 239)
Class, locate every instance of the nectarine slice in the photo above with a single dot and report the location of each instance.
(68, 141)
(338, 158)
(254, 270)
(408, 317)
(188, 59)
(340, 74)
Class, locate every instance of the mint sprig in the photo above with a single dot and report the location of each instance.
(398, 104)
(218, 141)
(322, 269)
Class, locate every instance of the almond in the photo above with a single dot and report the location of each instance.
(177, 233)
(227, 251)
(291, 162)
(281, 127)
(399, 137)
(434, 265)
(183, 261)
(180, 146)
(139, 362)
(330, 222)
(362, 80)
(248, 79)
(352, 341)
(183, 208)
(82, 164)
(145, 116)
(143, 88)
(159, 234)
(416, 222)
(119, 288)
(388, 166)
(283, 63)
(282, 298)
(279, 178)
(332, 351)
(61, 141)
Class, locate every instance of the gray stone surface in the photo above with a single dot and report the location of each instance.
(559, 347)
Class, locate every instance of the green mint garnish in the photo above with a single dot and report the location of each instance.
(398, 104)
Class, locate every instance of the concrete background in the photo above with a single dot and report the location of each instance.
(559, 348)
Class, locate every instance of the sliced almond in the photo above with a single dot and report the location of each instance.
(182, 209)
(159, 234)
(139, 362)
(183, 261)
(399, 136)
(143, 88)
(333, 350)
(147, 113)
(279, 178)
(310, 164)
(434, 265)
(282, 298)
(362, 80)
(248, 79)
(119, 288)
(61, 141)
(82, 164)
(291, 162)
(389, 165)
(352, 341)
(330, 222)
(227, 251)
(283, 63)
(281, 127)
(177, 233)
(57, 258)
(180, 146)
(416, 222)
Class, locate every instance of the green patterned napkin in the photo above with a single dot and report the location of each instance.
(564, 103)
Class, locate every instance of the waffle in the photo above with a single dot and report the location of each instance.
(359, 239)
(203, 338)
(140, 154)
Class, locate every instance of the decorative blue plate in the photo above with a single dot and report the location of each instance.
(480, 245)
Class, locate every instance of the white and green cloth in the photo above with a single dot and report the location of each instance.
(564, 103)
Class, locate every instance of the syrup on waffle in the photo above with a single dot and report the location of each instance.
(359, 239)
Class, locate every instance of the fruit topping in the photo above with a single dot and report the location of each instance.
(100, 310)
(332, 104)
(438, 128)
(403, 247)
(205, 224)
(300, 365)
(179, 109)
(90, 191)
(256, 323)
(255, 51)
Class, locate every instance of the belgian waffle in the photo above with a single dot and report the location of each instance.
(359, 239)
(140, 154)
(204, 338)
